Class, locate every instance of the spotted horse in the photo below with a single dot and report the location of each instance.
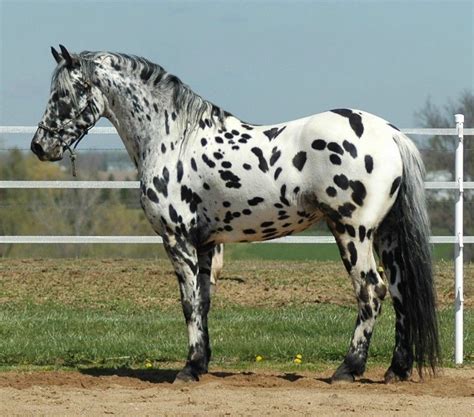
(208, 178)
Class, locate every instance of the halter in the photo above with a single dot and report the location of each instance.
(54, 131)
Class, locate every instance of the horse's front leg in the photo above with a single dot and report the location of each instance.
(193, 272)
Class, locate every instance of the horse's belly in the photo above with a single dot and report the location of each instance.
(264, 224)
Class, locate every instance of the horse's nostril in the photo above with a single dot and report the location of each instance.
(37, 149)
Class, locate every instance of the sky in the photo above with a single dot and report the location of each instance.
(264, 61)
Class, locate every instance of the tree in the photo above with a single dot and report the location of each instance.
(438, 154)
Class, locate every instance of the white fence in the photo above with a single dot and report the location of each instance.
(458, 239)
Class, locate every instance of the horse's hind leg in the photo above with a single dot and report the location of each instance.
(217, 265)
(402, 359)
(356, 248)
(193, 271)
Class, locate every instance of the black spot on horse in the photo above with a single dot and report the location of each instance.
(331, 191)
(346, 209)
(299, 160)
(228, 135)
(359, 192)
(203, 141)
(266, 224)
(173, 214)
(355, 120)
(352, 253)
(335, 147)
(180, 171)
(362, 233)
(277, 173)
(190, 197)
(218, 155)
(369, 163)
(232, 180)
(254, 201)
(371, 277)
(226, 164)
(274, 132)
(208, 162)
(249, 231)
(319, 145)
(283, 198)
(247, 167)
(350, 230)
(219, 139)
(275, 156)
(152, 195)
(335, 159)
(193, 164)
(262, 162)
(161, 185)
(202, 125)
(349, 147)
(163, 148)
(247, 212)
(395, 185)
(167, 126)
(341, 181)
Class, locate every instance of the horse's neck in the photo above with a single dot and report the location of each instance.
(144, 123)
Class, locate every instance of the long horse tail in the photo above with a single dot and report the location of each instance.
(409, 223)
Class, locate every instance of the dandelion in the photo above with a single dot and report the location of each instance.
(298, 359)
(148, 364)
(258, 358)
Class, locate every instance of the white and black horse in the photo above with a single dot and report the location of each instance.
(208, 178)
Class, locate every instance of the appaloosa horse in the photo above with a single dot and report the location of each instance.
(209, 178)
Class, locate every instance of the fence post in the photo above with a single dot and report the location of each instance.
(458, 230)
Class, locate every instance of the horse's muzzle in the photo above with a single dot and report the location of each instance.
(39, 148)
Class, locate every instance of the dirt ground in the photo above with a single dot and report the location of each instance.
(151, 393)
(150, 283)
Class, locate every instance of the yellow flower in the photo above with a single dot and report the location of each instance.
(258, 358)
(299, 356)
(148, 364)
(297, 361)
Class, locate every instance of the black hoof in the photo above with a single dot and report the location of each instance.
(392, 376)
(342, 375)
(186, 375)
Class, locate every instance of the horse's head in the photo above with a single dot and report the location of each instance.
(73, 108)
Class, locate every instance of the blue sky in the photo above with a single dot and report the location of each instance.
(264, 61)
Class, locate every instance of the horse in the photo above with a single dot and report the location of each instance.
(208, 178)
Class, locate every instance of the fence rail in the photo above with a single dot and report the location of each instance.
(458, 239)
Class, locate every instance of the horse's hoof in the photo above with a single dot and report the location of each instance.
(342, 378)
(391, 377)
(186, 375)
(342, 375)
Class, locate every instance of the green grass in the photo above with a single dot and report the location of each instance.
(304, 252)
(54, 335)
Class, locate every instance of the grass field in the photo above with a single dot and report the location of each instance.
(110, 313)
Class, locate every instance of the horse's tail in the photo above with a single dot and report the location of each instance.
(410, 224)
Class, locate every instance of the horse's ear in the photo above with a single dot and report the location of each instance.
(56, 55)
(66, 56)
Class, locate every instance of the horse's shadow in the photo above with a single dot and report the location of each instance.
(156, 376)
(161, 376)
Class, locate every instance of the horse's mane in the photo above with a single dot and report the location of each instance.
(184, 100)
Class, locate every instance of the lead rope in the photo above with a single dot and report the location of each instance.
(72, 156)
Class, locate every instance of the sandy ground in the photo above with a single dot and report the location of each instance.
(151, 393)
